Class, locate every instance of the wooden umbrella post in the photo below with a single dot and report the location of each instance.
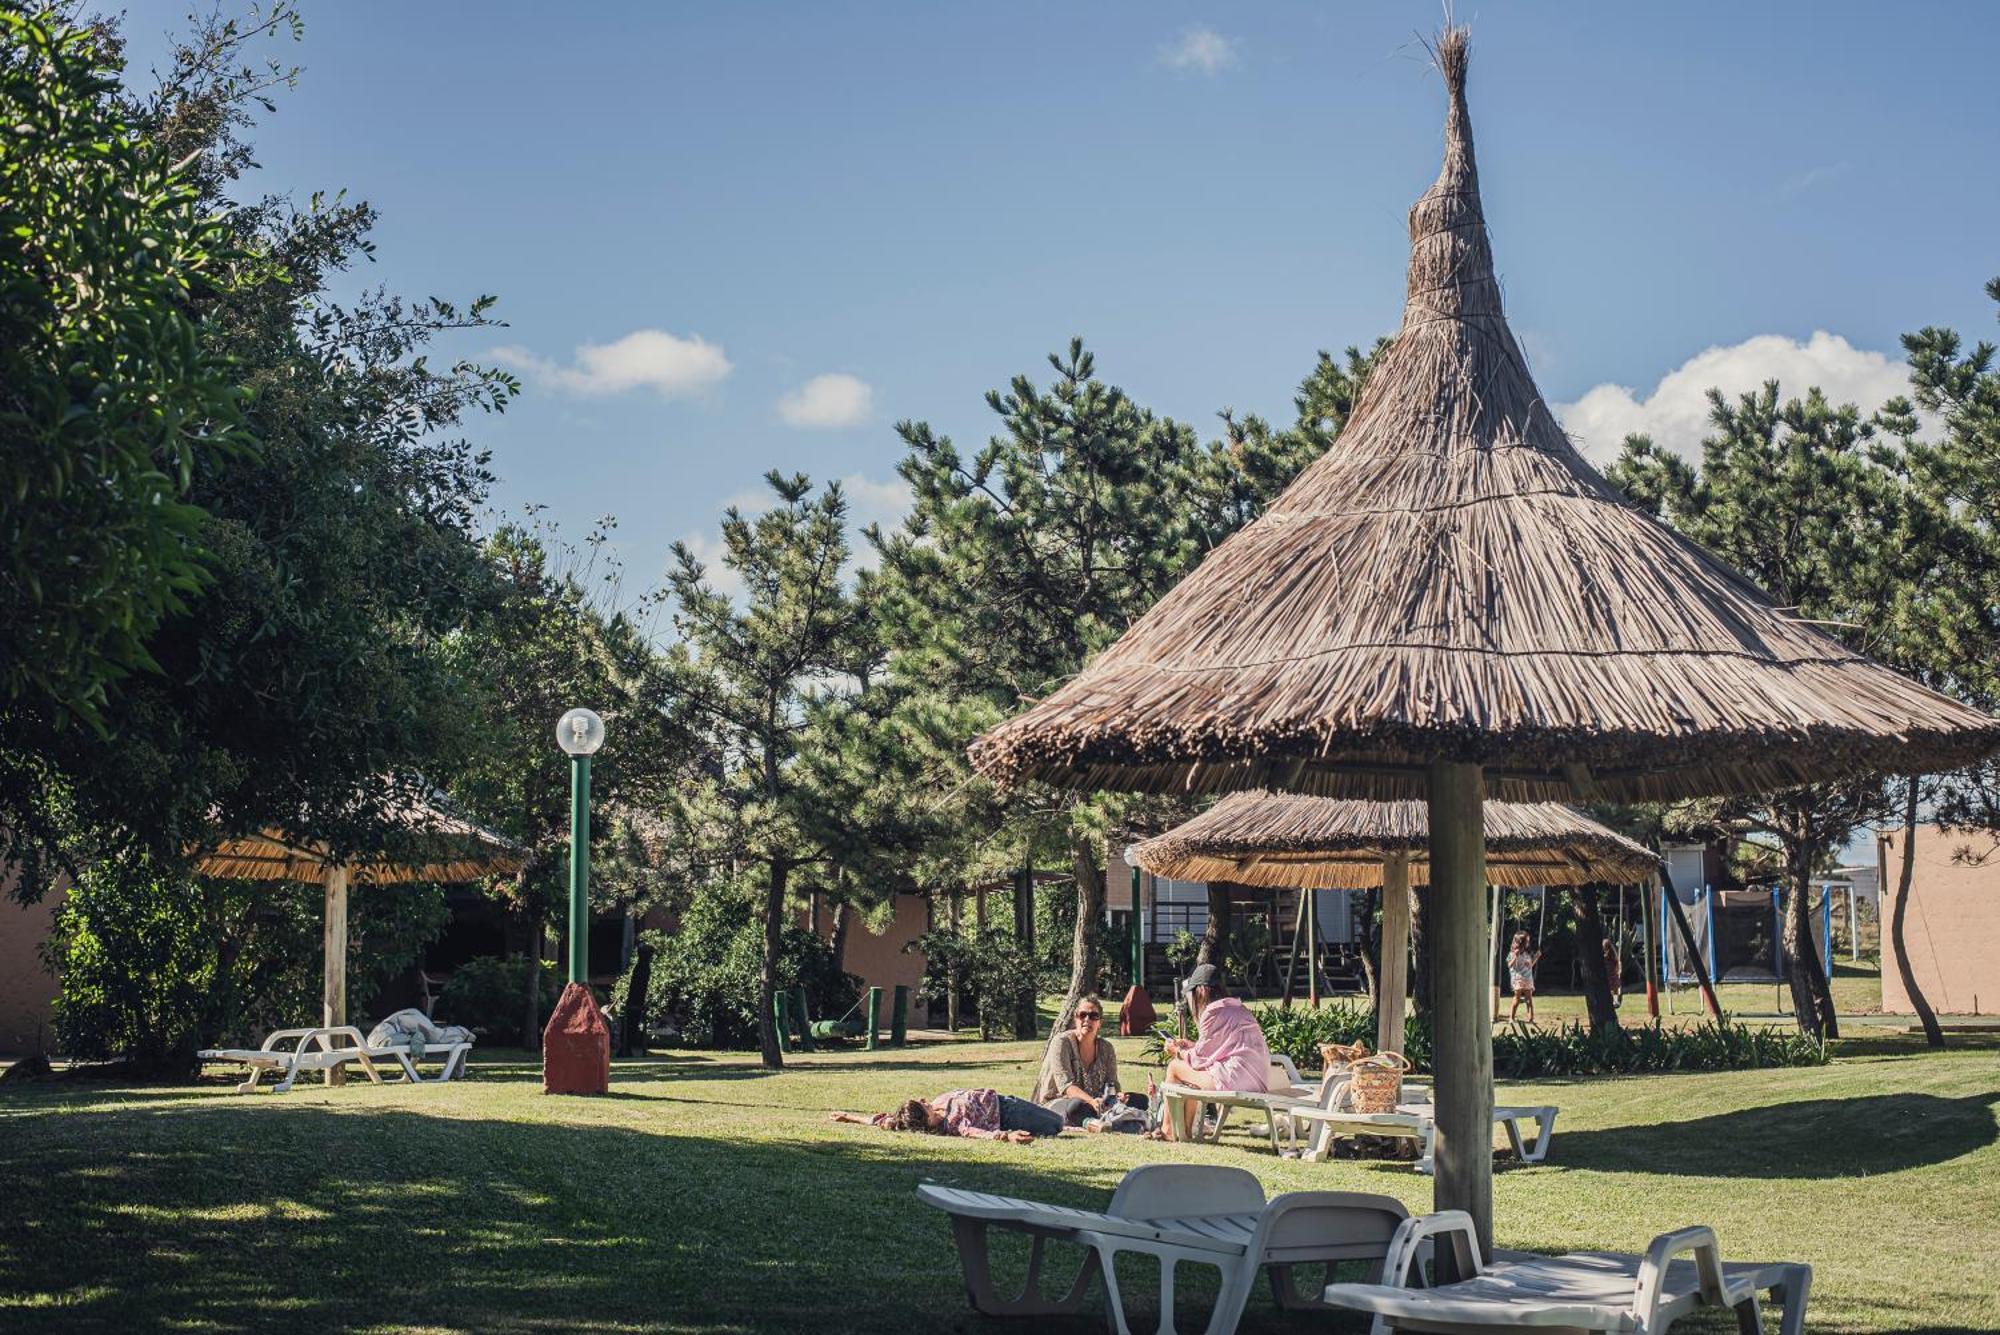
(1393, 972)
(333, 1002)
(1462, 1039)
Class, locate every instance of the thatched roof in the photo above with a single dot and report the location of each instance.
(1453, 581)
(1283, 841)
(434, 845)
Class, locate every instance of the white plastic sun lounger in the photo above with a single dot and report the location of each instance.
(1285, 1090)
(1203, 1213)
(1584, 1291)
(1417, 1121)
(292, 1052)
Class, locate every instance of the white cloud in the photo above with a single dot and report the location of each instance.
(708, 549)
(668, 364)
(828, 401)
(1675, 414)
(1203, 50)
(1801, 181)
(871, 502)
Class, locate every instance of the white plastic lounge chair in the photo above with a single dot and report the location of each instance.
(1204, 1213)
(1415, 1119)
(1584, 1291)
(291, 1052)
(1285, 1089)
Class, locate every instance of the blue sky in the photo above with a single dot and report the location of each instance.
(732, 238)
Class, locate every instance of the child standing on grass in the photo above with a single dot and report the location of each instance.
(1521, 961)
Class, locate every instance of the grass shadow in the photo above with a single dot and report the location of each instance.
(1817, 1138)
(239, 1216)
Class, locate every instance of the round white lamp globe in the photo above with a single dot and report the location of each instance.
(580, 732)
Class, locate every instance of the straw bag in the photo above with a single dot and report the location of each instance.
(1376, 1085)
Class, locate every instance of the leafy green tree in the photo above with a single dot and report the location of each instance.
(552, 643)
(812, 767)
(109, 399)
(1944, 624)
(1018, 563)
(1794, 494)
(304, 682)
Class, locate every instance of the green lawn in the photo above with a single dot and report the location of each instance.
(708, 1195)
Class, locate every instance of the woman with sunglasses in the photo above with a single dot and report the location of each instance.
(1079, 1078)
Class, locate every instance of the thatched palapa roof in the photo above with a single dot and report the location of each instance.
(436, 846)
(1451, 581)
(1286, 841)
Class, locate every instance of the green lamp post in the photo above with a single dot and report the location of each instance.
(580, 732)
(576, 1046)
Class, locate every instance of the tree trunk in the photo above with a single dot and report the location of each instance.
(767, 983)
(1083, 945)
(1371, 950)
(1812, 998)
(633, 1028)
(952, 897)
(1298, 939)
(1933, 1033)
(1215, 935)
(842, 917)
(1590, 960)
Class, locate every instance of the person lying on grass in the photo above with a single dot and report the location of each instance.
(981, 1114)
(1230, 1054)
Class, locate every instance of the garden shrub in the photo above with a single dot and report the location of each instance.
(155, 963)
(705, 974)
(1571, 1050)
(995, 970)
(488, 995)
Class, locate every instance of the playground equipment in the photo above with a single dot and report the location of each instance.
(862, 1020)
(1740, 934)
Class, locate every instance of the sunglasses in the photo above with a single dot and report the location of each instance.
(1090, 1015)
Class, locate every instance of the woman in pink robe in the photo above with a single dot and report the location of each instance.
(1230, 1054)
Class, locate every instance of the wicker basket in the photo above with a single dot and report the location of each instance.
(1376, 1085)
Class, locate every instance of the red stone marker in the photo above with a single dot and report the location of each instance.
(1136, 1016)
(576, 1047)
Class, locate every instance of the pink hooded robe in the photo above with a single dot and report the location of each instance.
(1231, 1047)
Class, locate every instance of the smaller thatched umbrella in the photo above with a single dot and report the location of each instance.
(433, 845)
(1285, 841)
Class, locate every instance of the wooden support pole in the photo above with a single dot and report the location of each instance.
(1462, 1037)
(333, 1002)
(1392, 975)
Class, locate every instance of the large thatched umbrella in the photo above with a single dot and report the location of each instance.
(1285, 841)
(431, 845)
(1451, 603)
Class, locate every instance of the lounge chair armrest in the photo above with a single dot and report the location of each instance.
(1406, 1247)
(293, 1036)
(1698, 1239)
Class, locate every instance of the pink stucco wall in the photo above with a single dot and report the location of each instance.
(27, 990)
(1952, 927)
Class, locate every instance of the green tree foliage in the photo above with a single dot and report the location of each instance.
(548, 644)
(303, 682)
(1796, 494)
(812, 776)
(1020, 562)
(155, 964)
(109, 399)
